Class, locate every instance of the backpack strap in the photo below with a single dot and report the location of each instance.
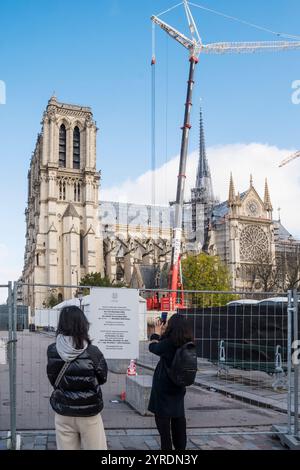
(61, 374)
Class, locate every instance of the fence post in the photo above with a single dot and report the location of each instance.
(289, 360)
(296, 366)
(12, 363)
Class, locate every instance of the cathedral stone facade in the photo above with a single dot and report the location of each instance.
(69, 233)
(242, 234)
(63, 240)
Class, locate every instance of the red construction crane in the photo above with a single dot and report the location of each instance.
(196, 47)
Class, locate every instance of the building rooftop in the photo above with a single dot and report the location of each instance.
(74, 107)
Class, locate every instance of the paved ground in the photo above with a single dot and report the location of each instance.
(131, 439)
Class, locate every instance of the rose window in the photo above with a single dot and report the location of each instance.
(253, 243)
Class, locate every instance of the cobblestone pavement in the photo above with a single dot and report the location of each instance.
(133, 439)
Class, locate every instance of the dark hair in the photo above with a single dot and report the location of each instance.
(73, 322)
(178, 330)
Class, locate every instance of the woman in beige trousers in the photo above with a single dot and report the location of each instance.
(76, 369)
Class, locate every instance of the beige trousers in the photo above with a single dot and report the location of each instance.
(74, 433)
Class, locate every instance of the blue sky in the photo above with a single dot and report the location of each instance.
(98, 53)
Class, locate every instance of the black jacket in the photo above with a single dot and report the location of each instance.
(79, 392)
(167, 398)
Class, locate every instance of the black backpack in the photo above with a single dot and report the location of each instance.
(184, 365)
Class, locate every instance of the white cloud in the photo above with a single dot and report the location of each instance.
(261, 160)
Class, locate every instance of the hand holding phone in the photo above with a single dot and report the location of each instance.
(163, 318)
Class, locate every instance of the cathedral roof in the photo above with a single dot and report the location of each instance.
(243, 195)
(71, 107)
(220, 210)
(144, 276)
(280, 231)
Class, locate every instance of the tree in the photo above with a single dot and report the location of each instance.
(288, 263)
(96, 280)
(206, 273)
(265, 273)
(282, 275)
(51, 301)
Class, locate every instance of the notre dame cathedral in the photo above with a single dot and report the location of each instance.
(69, 233)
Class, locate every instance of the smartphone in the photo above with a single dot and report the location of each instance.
(163, 317)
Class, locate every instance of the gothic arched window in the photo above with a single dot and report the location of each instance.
(62, 146)
(81, 249)
(77, 195)
(62, 190)
(76, 148)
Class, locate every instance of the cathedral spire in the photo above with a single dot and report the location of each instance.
(267, 199)
(203, 179)
(231, 196)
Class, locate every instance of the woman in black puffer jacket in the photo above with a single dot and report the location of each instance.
(77, 398)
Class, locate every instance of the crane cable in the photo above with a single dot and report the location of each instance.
(167, 116)
(153, 123)
(153, 116)
(169, 9)
(234, 18)
(252, 25)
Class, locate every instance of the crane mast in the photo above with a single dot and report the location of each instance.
(177, 231)
(194, 47)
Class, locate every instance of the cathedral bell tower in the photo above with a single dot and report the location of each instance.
(63, 236)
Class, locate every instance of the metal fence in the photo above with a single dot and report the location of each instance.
(245, 344)
(22, 317)
(246, 376)
(8, 362)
